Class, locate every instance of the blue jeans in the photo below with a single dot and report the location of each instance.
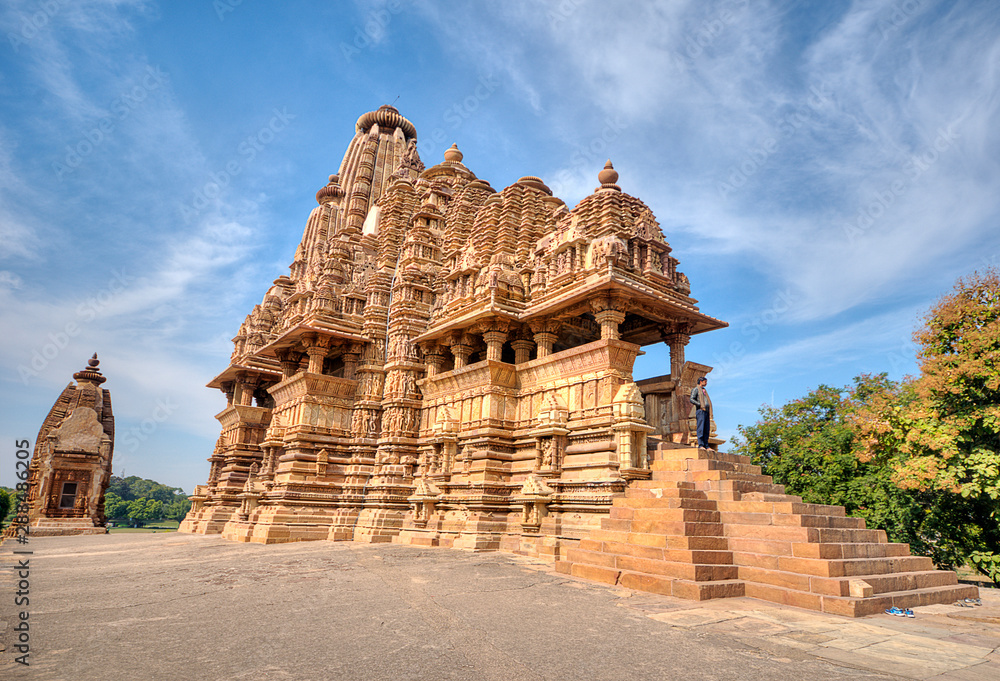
(704, 426)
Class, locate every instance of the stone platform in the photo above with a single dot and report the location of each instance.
(63, 527)
(709, 525)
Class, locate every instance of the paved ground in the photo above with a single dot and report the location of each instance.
(171, 606)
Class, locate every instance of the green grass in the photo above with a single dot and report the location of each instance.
(162, 526)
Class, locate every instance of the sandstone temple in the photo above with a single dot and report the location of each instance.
(450, 365)
(70, 468)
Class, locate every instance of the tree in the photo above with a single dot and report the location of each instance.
(940, 432)
(6, 502)
(176, 510)
(808, 445)
(114, 506)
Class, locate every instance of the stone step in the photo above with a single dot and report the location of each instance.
(682, 488)
(885, 550)
(704, 465)
(692, 453)
(843, 567)
(782, 519)
(707, 475)
(681, 588)
(733, 490)
(859, 607)
(708, 557)
(680, 501)
(698, 572)
(887, 583)
(784, 505)
(666, 509)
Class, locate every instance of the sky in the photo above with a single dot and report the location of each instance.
(824, 171)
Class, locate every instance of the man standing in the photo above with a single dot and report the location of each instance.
(703, 411)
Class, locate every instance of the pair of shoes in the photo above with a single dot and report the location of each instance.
(895, 611)
(974, 601)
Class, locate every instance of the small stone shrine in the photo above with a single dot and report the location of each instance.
(71, 465)
(450, 365)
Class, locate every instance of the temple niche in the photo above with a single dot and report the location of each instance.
(450, 365)
(71, 466)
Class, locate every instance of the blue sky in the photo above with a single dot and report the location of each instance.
(823, 170)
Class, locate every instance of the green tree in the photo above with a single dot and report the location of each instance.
(808, 446)
(176, 510)
(940, 432)
(6, 503)
(115, 507)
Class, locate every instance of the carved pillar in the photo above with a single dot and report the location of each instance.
(609, 313)
(434, 356)
(229, 388)
(351, 357)
(289, 361)
(677, 341)
(461, 348)
(545, 334)
(317, 349)
(316, 356)
(494, 344)
(244, 390)
(522, 349)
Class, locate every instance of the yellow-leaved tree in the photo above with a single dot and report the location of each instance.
(940, 431)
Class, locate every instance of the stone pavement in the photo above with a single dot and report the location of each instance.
(171, 606)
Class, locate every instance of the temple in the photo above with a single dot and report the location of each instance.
(71, 465)
(450, 365)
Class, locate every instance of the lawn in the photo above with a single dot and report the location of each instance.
(161, 526)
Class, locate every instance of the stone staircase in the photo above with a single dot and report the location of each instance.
(709, 525)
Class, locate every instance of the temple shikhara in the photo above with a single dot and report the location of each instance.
(70, 468)
(450, 365)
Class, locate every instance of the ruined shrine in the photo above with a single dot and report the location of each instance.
(450, 365)
(70, 467)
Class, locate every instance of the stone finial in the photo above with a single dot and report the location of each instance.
(534, 182)
(91, 373)
(608, 177)
(331, 191)
(452, 154)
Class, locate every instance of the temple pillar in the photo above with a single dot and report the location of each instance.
(609, 313)
(461, 349)
(522, 349)
(676, 343)
(434, 356)
(494, 344)
(289, 361)
(351, 358)
(545, 341)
